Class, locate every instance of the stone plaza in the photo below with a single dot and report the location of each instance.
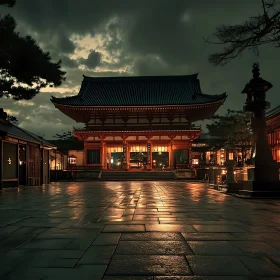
(136, 231)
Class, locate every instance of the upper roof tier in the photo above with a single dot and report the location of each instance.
(139, 91)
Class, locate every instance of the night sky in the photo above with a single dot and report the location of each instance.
(135, 37)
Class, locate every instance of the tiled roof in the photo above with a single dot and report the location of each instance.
(17, 132)
(139, 91)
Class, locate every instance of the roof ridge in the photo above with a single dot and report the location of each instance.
(169, 77)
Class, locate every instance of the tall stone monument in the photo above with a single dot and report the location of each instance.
(264, 177)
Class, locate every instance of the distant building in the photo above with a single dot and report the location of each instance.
(24, 156)
(273, 129)
(139, 122)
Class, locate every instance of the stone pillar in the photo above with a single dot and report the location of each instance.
(266, 169)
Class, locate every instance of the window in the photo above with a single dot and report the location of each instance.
(93, 156)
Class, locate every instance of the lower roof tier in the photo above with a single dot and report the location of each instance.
(84, 134)
(190, 112)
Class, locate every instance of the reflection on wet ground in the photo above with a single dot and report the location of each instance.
(136, 230)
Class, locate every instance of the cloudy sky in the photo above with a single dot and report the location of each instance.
(135, 37)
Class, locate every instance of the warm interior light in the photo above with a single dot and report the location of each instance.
(230, 156)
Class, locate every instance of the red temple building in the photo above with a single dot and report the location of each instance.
(273, 131)
(139, 122)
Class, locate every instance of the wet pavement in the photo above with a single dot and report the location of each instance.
(136, 231)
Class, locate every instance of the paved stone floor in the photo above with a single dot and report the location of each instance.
(136, 231)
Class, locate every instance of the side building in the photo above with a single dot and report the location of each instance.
(24, 156)
(139, 122)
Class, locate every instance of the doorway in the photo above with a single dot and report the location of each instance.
(22, 165)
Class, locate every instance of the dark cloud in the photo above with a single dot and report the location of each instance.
(158, 37)
(93, 60)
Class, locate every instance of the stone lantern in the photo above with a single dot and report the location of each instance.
(230, 162)
(264, 177)
(72, 162)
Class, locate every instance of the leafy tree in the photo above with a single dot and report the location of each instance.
(24, 67)
(65, 135)
(256, 31)
(234, 124)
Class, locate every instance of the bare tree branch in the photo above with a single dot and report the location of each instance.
(256, 31)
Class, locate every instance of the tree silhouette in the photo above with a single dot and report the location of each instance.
(65, 135)
(256, 31)
(24, 67)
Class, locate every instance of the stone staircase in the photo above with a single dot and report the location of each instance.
(138, 176)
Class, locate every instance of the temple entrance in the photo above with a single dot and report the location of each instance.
(115, 157)
(160, 156)
(138, 156)
(22, 165)
(181, 159)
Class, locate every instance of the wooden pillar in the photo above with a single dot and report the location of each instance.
(125, 154)
(102, 153)
(171, 157)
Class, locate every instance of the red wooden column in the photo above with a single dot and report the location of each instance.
(125, 153)
(171, 157)
(102, 151)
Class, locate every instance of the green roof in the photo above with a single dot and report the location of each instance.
(140, 91)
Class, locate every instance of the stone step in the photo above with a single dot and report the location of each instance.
(116, 175)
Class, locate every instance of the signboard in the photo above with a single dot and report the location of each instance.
(124, 153)
(148, 153)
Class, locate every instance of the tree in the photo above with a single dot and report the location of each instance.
(258, 30)
(65, 135)
(24, 67)
(234, 124)
(10, 119)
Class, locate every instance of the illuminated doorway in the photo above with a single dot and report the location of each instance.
(115, 157)
(138, 156)
(160, 157)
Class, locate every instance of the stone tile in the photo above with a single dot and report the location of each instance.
(170, 228)
(217, 265)
(97, 255)
(124, 228)
(204, 278)
(148, 265)
(256, 236)
(85, 272)
(218, 228)
(128, 278)
(208, 236)
(255, 247)
(107, 239)
(259, 229)
(149, 236)
(260, 266)
(47, 244)
(222, 248)
(153, 248)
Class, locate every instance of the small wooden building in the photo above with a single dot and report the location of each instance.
(24, 156)
(139, 122)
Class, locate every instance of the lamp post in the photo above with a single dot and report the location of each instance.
(230, 149)
(263, 178)
(72, 162)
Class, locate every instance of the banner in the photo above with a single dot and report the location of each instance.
(148, 153)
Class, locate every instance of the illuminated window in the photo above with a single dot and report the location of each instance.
(160, 148)
(195, 161)
(115, 149)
